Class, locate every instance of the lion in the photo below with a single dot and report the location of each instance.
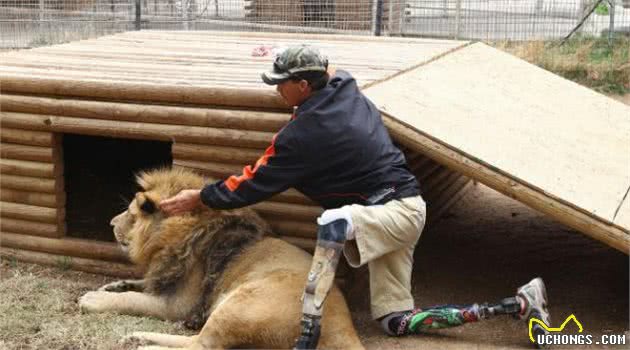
(218, 270)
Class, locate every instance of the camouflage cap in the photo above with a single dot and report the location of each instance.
(294, 60)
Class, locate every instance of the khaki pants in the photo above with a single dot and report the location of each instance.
(385, 238)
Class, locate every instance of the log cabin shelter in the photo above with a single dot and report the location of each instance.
(79, 119)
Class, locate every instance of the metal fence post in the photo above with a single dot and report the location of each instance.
(611, 27)
(138, 15)
(379, 18)
(41, 17)
(458, 14)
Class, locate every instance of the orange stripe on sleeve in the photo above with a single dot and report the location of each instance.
(233, 182)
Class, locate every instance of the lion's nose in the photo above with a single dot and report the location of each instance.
(115, 220)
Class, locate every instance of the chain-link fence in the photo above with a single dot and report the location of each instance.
(514, 19)
(29, 23)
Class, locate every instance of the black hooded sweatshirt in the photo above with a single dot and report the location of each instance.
(335, 150)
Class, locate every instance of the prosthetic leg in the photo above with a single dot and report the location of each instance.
(446, 316)
(330, 240)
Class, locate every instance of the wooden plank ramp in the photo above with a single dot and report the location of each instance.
(543, 140)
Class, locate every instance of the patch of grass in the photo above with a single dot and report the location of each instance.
(40, 311)
(64, 262)
(589, 61)
(602, 9)
(11, 261)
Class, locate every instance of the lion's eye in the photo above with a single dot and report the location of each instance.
(148, 207)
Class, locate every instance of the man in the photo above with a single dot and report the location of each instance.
(336, 150)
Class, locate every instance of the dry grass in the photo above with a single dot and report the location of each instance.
(39, 311)
(591, 62)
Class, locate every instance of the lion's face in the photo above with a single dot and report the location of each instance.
(138, 228)
(131, 226)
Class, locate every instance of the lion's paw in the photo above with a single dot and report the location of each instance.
(118, 286)
(96, 301)
(134, 340)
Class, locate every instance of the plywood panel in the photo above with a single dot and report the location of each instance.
(545, 132)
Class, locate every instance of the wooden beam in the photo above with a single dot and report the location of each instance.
(25, 137)
(23, 152)
(146, 131)
(80, 248)
(282, 210)
(443, 203)
(443, 186)
(27, 183)
(232, 155)
(214, 169)
(31, 198)
(26, 168)
(163, 93)
(147, 113)
(66, 262)
(419, 163)
(28, 228)
(437, 178)
(60, 182)
(28, 212)
(428, 171)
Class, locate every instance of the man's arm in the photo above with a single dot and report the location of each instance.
(280, 167)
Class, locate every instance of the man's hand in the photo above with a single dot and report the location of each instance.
(184, 201)
(331, 71)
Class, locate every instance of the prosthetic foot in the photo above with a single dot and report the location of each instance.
(330, 239)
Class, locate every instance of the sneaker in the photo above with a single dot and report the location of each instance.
(534, 297)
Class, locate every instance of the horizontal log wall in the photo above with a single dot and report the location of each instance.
(215, 142)
(32, 199)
